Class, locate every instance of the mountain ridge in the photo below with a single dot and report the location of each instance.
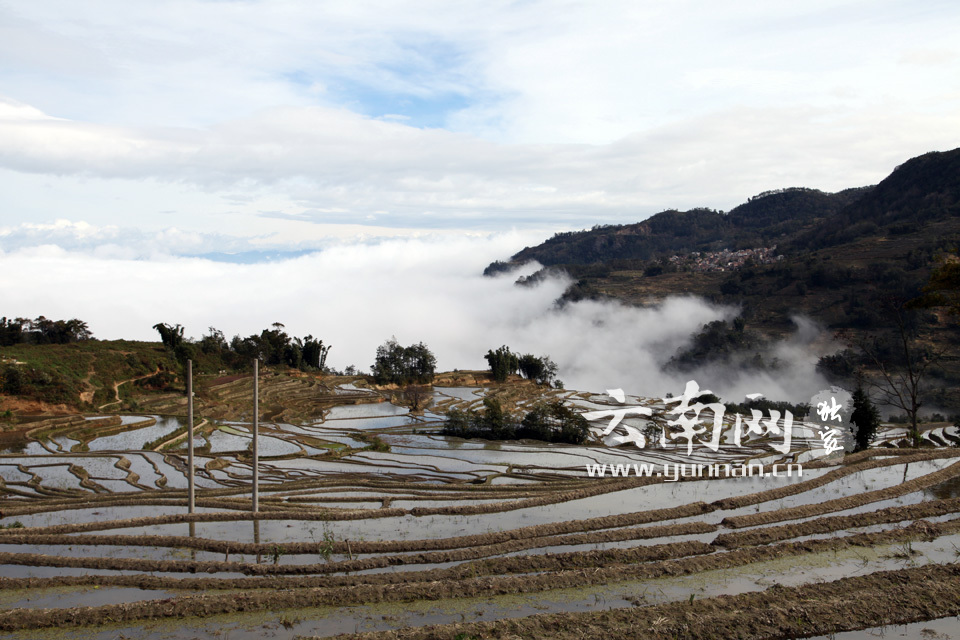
(922, 189)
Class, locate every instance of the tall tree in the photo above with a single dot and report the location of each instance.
(543, 370)
(314, 352)
(502, 363)
(420, 365)
(171, 337)
(865, 416)
(395, 364)
(214, 343)
(11, 332)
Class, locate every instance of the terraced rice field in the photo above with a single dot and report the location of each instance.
(448, 538)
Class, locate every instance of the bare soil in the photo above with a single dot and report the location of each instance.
(298, 594)
(883, 598)
(682, 540)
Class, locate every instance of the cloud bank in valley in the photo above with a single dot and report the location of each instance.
(356, 296)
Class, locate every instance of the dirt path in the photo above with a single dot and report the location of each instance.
(86, 397)
(116, 388)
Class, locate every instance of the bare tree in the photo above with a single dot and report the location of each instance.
(417, 396)
(903, 368)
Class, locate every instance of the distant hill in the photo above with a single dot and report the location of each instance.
(778, 214)
(840, 257)
(920, 191)
(767, 219)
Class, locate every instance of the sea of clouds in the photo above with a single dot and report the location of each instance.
(430, 289)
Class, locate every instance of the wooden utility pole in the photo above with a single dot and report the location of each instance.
(191, 496)
(256, 428)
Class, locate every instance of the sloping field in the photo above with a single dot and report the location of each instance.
(444, 538)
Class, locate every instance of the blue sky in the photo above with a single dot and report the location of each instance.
(194, 127)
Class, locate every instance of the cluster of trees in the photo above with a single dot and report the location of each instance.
(782, 212)
(762, 405)
(848, 295)
(503, 362)
(665, 233)
(497, 267)
(31, 382)
(722, 341)
(271, 346)
(839, 366)
(42, 330)
(396, 364)
(549, 422)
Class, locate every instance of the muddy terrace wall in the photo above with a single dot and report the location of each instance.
(481, 566)
(427, 521)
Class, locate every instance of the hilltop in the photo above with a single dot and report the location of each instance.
(782, 252)
(922, 191)
(769, 218)
(88, 374)
(838, 258)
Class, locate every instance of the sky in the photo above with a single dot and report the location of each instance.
(348, 168)
(246, 125)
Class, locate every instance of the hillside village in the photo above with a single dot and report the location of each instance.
(725, 260)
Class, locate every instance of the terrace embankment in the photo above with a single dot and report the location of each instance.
(684, 539)
(887, 598)
(417, 518)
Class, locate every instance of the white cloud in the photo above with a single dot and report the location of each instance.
(332, 166)
(187, 127)
(357, 296)
(471, 114)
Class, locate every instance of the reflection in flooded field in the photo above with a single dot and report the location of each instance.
(94, 516)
